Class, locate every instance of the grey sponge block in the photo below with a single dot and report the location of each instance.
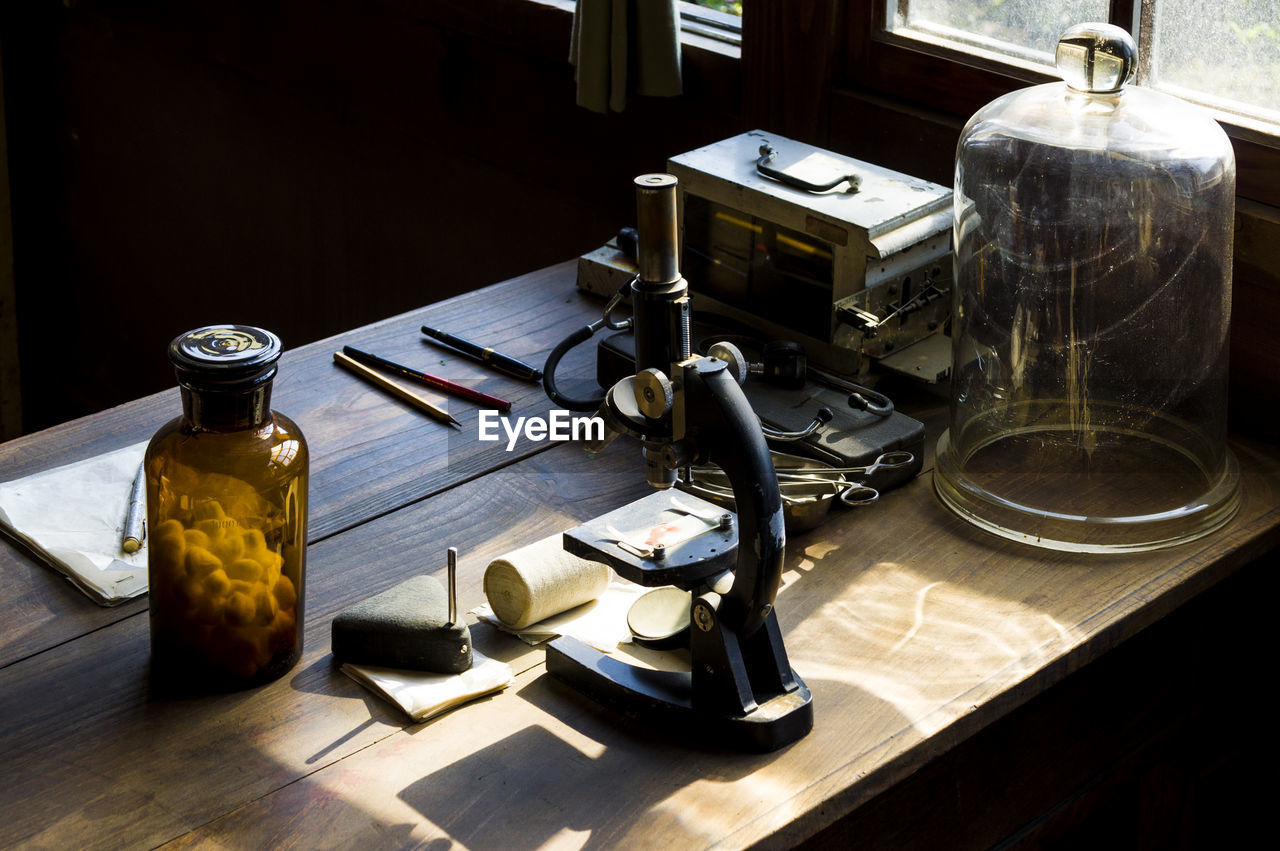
(406, 626)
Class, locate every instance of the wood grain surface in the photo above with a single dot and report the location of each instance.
(911, 643)
(371, 454)
(915, 632)
(86, 726)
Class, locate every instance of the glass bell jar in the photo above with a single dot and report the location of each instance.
(1092, 304)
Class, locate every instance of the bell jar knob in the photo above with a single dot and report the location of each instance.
(1097, 58)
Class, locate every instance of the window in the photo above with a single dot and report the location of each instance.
(729, 7)
(954, 56)
(716, 19)
(1024, 32)
(1224, 54)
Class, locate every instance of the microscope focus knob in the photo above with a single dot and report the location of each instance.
(733, 357)
(654, 393)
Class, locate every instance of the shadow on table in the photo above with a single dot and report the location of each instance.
(615, 778)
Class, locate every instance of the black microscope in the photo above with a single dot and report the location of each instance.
(740, 691)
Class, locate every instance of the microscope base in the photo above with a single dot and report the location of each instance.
(665, 699)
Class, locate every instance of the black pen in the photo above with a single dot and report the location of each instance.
(497, 360)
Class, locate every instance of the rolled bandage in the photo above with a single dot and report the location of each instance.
(535, 582)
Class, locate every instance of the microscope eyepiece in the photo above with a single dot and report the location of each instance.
(658, 252)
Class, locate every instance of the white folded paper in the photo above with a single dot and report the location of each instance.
(73, 517)
(424, 695)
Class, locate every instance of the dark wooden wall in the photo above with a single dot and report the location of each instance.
(10, 379)
(307, 167)
(314, 166)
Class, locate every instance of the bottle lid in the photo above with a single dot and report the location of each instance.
(225, 356)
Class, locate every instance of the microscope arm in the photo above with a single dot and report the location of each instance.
(724, 429)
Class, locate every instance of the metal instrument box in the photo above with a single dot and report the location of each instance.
(854, 276)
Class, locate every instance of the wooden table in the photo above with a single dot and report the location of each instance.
(965, 689)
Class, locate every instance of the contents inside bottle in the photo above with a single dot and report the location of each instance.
(226, 564)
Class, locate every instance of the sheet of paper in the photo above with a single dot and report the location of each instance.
(424, 695)
(73, 517)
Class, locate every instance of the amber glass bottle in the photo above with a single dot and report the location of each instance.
(227, 517)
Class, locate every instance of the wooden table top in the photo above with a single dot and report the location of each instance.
(913, 630)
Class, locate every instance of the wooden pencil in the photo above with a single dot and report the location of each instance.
(394, 389)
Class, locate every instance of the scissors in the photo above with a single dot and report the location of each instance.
(850, 482)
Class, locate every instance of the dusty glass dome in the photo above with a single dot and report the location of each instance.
(1092, 303)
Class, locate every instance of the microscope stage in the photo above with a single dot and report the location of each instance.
(667, 538)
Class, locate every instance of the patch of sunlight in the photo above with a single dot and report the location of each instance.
(928, 647)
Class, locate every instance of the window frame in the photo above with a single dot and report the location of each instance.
(709, 23)
(953, 82)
